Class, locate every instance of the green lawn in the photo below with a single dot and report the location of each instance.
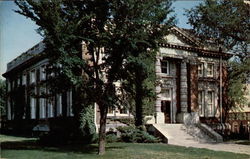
(27, 148)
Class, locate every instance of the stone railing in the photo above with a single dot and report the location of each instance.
(210, 132)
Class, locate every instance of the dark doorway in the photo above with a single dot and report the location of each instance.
(165, 108)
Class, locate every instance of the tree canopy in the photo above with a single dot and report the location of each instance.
(90, 42)
(228, 24)
(2, 97)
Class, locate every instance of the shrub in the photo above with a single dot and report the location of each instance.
(127, 121)
(111, 138)
(133, 134)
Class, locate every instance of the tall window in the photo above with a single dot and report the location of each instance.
(9, 85)
(42, 108)
(210, 103)
(32, 76)
(165, 67)
(50, 110)
(19, 80)
(59, 105)
(201, 102)
(42, 73)
(210, 70)
(201, 70)
(69, 103)
(9, 109)
(33, 108)
(24, 80)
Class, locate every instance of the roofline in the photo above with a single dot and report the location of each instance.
(202, 51)
(29, 62)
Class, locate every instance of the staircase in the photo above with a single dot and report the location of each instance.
(179, 134)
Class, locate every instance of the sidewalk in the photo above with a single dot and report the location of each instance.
(229, 147)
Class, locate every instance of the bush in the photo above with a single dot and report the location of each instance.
(127, 121)
(111, 138)
(132, 134)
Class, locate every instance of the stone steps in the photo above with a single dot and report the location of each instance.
(179, 134)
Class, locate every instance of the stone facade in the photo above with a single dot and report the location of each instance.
(189, 80)
(187, 86)
(241, 117)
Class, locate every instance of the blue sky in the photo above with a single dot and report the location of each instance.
(17, 33)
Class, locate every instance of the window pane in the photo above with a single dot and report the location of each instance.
(201, 103)
(32, 76)
(200, 69)
(32, 108)
(43, 73)
(210, 103)
(210, 68)
(165, 67)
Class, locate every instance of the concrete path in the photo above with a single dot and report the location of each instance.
(236, 148)
(177, 136)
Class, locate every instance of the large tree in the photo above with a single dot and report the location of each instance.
(2, 97)
(139, 85)
(108, 32)
(227, 23)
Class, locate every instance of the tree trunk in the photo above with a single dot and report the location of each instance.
(138, 104)
(102, 130)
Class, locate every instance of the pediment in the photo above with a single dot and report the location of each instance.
(173, 39)
(182, 37)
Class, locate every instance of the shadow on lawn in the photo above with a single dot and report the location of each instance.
(34, 145)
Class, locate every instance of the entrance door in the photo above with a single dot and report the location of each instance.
(165, 108)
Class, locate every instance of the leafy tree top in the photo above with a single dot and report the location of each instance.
(226, 22)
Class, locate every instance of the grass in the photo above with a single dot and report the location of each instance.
(27, 148)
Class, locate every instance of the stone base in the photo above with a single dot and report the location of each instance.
(182, 117)
(160, 118)
(188, 118)
(149, 119)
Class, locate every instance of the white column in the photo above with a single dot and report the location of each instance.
(184, 87)
(159, 115)
(184, 116)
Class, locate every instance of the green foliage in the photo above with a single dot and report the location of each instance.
(127, 121)
(118, 33)
(2, 97)
(133, 134)
(227, 24)
(27, 148)
(238, 75)
(87, 121)
(110, 138)
(139, 84)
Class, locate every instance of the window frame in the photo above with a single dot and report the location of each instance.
(202, 68)
(33, 76)
(201, 103)
(42, 73)
(32, 108)
(210, 106)
(208, 70)
(165, 67)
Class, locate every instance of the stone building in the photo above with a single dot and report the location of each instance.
(27, 97)
(241, 116)
(191, 78)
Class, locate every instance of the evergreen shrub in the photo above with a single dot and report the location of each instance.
(136, 135)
